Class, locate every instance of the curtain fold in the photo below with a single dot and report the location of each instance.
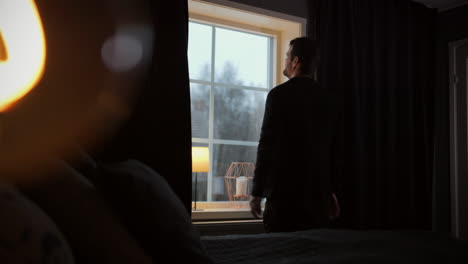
(379, 56)
(158, 132)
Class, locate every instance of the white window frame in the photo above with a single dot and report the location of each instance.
(211, 141)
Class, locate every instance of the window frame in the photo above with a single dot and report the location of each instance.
(213, 84)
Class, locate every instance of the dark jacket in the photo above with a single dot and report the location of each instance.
(294, 157)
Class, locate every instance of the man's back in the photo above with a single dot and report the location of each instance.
(294, 150)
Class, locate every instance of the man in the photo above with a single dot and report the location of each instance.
(293, 168)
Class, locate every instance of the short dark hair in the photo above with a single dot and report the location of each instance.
(306, 50)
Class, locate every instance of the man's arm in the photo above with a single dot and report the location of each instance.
(264, 158)
(264, 150)
(337, 153)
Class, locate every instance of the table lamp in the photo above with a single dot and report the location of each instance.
(22, 51)
(200, 163)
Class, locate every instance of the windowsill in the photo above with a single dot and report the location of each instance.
(225, 214)
(224, 211)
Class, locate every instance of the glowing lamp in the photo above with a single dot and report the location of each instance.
(200, 159)
(200, 163)
(22, 50)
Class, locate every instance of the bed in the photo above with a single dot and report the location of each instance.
(337, 246)
(131, 212)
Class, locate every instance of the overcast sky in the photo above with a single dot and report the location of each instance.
(247, 52)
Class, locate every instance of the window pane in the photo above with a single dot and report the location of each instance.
(223, 156)
(200, 107)
(241, 58)
(199, 51)
(238, 113)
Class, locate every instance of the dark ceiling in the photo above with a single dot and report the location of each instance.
(442, 4)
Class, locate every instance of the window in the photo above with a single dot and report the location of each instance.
(228, 86)
(232, 68)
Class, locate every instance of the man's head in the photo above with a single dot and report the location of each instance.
(301, 58)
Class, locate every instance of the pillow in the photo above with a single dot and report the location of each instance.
(28, 235)
(151, 211)
(93, 232)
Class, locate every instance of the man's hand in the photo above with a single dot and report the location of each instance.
(255, 207)
(335, 210)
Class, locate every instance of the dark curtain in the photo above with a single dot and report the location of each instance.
(379, 57)
(158, 132)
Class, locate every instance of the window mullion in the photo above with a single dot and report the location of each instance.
(211, 118)
(218, 84)
(270, 63)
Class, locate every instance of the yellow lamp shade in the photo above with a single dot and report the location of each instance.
(200, 159)
(22, 49)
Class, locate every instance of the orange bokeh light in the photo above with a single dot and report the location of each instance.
(22, 50)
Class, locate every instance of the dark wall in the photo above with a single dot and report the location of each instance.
(291, 7)
(452, 25)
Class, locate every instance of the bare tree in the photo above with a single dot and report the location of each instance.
(238, 115)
